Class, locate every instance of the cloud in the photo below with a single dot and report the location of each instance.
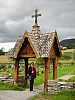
(15, 17)
(7, 46)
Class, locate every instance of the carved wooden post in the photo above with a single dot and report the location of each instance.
(26, 70)
(55, 71)
(16, 74)
(46, 65)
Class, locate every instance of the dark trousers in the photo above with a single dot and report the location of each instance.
(31, 84)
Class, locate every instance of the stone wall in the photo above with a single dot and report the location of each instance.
(55, 86)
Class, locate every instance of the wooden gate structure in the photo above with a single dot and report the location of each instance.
(35, 45)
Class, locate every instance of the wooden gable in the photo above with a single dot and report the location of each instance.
(56, 47)
(26, 50)
(52, 53)
(55, 50)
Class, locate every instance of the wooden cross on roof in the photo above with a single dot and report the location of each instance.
(36, 15)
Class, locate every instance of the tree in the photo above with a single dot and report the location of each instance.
(2, 51)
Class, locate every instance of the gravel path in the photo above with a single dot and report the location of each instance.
(14, 95)
(19, 95)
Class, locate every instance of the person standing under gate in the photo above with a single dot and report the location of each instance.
(32, 75)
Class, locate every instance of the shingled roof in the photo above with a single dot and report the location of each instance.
(41, 43)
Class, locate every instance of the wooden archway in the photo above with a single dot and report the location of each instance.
(25, 53)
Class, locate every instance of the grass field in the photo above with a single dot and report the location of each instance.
(68, 55)
(63, 69)
(5, 60)
(69, 50)
(10, 86)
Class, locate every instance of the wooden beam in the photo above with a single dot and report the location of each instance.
(26, 70)
(46, 74)
(27, 56)
(55, 70)
(16, 72)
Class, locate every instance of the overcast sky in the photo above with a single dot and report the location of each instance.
(15, 17)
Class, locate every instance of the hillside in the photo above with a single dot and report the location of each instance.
(5, 60)
(70, 43)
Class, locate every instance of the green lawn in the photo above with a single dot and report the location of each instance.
(65, 69)
(68, 54)
(10, 86)
(64, 95)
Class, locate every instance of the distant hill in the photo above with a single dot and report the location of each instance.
(69, 43)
